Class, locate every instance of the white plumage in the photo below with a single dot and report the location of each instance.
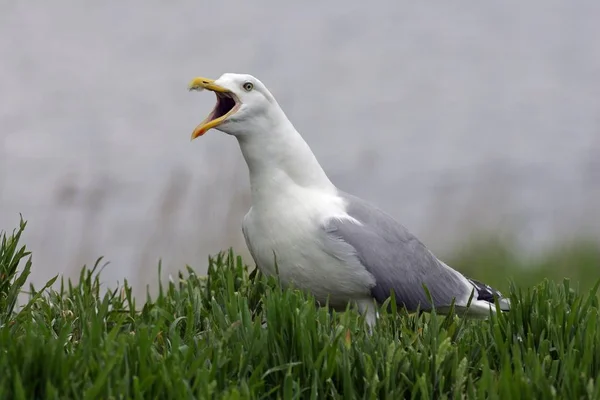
(335, 245)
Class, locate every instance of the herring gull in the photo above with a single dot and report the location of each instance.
(335, 245)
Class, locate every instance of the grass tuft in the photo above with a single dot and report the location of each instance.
(236, 334)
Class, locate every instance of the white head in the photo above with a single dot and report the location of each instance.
(269, 142)
(243, 105)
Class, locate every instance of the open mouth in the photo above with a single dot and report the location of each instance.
(227, 105)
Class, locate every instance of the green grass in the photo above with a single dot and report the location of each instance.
(205, 338)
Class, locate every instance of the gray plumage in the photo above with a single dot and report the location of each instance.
(400, 262)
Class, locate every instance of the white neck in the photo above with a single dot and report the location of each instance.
(277, 157)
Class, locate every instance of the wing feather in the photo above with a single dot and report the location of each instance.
(397, 259)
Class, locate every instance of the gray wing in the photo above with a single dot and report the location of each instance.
(397, 259)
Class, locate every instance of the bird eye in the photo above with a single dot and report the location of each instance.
(248, 86)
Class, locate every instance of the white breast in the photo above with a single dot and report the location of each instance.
(288, 228)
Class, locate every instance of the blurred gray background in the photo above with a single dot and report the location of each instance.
(459, 119)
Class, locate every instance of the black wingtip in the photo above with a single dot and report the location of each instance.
(488, 293)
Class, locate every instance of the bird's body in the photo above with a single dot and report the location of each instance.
(338, 247)
(303, 255)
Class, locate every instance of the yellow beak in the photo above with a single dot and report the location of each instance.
(209, 122)
(200, 83)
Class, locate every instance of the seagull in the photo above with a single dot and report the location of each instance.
(317, 238)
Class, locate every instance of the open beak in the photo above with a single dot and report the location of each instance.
(227, 105)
